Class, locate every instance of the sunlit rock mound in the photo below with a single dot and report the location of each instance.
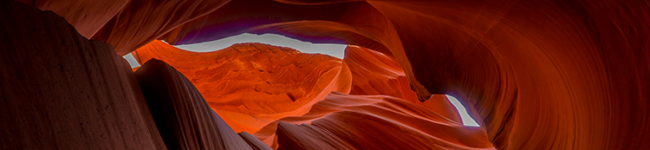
(258, 87)
(251, 85)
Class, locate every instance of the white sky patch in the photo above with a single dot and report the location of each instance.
(134, 63)
(336, 50)
(467, 120)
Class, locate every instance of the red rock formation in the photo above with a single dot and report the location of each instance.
(563, 74)
(316, 23)
(439, 104)
(540, 74)
(182, 116)
(254, 142)
(374, 73)
(61, 91)
(87, 16)
(371, 122)
(125, 24)
(251, 85)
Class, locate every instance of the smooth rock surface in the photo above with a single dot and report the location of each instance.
(344, 121)
(127, 24)
(182, 116)
(375, 73)
(60, 90)
(539, 74)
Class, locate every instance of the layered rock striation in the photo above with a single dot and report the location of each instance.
(63, 91)
(60, 90)
(344, 121)
(538, 74)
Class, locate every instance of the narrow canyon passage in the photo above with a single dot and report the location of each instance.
(344, 74)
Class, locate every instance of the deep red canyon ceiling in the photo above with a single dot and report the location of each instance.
(535, 74)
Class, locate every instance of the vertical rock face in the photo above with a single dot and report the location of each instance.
(59, 90)
(251, 85)
(182, 116)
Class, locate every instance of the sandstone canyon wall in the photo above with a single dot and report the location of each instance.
(535, 74)
(63, 91)
(182, 116)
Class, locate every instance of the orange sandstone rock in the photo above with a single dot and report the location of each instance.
(540, 74)
(344, 121)
(375, 73)
(182, 116)
(250, 85)
(126, 24)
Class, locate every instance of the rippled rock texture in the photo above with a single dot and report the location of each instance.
(344, 121)
(182, 116)
(126, 24)
(251, 85)
(535, 74)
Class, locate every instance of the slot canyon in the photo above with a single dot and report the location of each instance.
(413, 74)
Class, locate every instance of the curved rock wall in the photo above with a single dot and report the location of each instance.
(539, 74)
